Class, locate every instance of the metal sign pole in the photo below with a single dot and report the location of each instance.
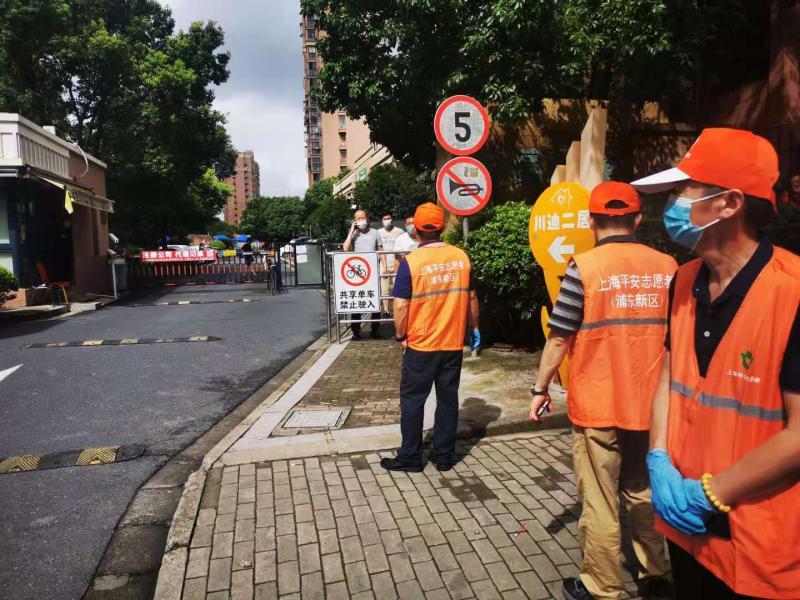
(465, 228)
(325, 273)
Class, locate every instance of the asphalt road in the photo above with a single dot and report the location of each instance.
(55, 524)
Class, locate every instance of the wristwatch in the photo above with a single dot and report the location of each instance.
(536, 392)
(400, 339)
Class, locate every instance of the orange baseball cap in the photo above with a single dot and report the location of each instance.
(429, 217)
(609, 191)
(727, 158)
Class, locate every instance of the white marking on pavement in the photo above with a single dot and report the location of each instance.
(272, 417)
(4, 374)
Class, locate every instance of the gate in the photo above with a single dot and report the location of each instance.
(303, 263)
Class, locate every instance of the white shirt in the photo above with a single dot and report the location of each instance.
(405, 243)
(388, 240)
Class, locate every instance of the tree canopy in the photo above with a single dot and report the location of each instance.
(392, 189)
(327, 216)
(114, 77)
(275, 218)
(392, 62)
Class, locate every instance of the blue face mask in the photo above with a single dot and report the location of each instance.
(678, 220)
(410, 229)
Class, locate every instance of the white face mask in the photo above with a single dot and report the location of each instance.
(362, 223)
(387, 223)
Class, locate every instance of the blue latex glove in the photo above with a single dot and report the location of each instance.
(669, 494)
(475, 339)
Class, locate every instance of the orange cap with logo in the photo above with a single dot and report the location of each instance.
(429, 217)
(623, 198)
(727, 158)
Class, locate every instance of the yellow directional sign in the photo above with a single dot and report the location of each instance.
(559, 227)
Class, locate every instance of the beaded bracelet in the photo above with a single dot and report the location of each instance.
(705, 481)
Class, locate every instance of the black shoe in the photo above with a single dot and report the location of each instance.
(655, 587)
(443, 466)
(357, 337)
(573, 589)
(395, 464)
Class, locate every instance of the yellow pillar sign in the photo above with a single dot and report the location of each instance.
(558, 229)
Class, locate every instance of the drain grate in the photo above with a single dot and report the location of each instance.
(316, 419)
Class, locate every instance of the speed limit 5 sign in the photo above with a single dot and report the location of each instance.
(461, 125)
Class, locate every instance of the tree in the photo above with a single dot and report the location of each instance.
(114, 77)
(277, 218)
(219, 226)
(392, 189)
(327, 216)
(392, 62)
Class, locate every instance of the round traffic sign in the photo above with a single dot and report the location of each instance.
(559, 226)
(463, 185)
(461, 125)
(356, 271)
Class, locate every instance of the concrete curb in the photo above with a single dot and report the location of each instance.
(176, 554)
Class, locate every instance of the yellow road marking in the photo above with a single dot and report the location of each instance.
(91, 342)
(128, 341)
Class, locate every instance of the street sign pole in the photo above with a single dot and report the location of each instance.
(465, 228)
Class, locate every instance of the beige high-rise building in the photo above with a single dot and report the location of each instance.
(246, 182)
(333, 141)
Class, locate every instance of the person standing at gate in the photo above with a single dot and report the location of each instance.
(612, 311)
(407, 242)
(433, 298)
(725, 435)
(389, 235)
(362, 238)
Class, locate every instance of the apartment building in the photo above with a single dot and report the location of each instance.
(246, 182)
(333, 141)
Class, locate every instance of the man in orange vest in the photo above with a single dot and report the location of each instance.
(433, 296)
(725, 434)
(612, 310)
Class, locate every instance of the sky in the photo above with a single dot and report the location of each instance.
(263, 98)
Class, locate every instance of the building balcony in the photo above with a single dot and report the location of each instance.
(24, 144)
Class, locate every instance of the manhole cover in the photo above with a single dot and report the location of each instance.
(316, 419)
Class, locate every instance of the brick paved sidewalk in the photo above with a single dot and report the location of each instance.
(502, 524)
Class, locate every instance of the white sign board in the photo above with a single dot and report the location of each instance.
(461, 125)
(356, 282)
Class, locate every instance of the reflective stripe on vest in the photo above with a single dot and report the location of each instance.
(747, 410)
(610, 322)
(716, 420)
(437, 311)
(617, 353)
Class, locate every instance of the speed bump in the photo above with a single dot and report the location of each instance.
(97, 456)
(122, 342)
(102, 455)
(15, 464)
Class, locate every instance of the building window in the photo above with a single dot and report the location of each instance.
(342, 152)
(342, 136)
(312, 51)
(316, 176)
(311, 34)
(312, 68)
(342, 122)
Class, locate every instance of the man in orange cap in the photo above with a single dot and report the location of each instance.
(725, 435)
(433, 297)
(612, 311)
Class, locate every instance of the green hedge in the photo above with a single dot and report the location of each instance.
(8, 284)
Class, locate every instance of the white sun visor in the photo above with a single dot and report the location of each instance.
(660, 182)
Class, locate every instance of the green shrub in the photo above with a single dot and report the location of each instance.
(8, 284)
(508, 279)
(216, 245)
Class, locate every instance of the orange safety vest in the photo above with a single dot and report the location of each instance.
(616, 356)
(437, 313)
(715, 421)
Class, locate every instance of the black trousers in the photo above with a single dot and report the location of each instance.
(694, 582)
(374, 327)
(421, 371)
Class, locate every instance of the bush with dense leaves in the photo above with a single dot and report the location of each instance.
(508, 279)
(8, 284)
(218, 245)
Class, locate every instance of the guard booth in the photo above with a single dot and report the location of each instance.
(303, 263)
